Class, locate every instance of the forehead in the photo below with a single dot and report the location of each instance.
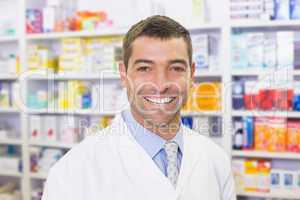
(157, 48)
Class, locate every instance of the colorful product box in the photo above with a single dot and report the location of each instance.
(238, 95)
(269, 50)
(201, 50)
(207, 96)
(68, 130)
(50, 128)
(238, 169)
(36, 127)
(251, 97)
(297, 50)
(294, 9)
(270, 134)
(34, 21)
(248, 132)
(257, 176)
(285, 49)
(293, 135)
(284, 99)
(266, 98)
(239, 54)
(255, 49)
(282, 9)
(296, 100)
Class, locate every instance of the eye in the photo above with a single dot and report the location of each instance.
(143, 68)
(178, 68)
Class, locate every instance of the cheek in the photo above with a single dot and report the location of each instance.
(183, 85)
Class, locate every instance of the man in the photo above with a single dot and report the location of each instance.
(146, 153)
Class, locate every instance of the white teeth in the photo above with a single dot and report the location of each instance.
(160, 100)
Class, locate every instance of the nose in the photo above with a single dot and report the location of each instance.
(161, 81)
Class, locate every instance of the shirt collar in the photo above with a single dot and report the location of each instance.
(151, 142)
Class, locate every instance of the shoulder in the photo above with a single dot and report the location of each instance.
(92, 148)
(204, 145)
(213, 154)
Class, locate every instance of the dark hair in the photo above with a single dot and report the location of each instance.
(157, 27)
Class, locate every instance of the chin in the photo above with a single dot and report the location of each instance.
(160, 117)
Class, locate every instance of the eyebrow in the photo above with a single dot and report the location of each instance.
(181, 61)
(143, 61)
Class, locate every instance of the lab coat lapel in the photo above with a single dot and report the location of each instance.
(141, 169)
(190, 159)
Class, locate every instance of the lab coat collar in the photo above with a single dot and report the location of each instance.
(141, 169)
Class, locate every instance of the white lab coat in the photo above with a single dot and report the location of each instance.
(113, 166)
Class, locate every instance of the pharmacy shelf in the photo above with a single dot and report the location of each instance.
(264, 154)
(282, 195)
(105, 76)
(255, 113)
(201, 113)
(38, 176)
(9, 110)
(105, 32)
(206, 27)
(297, 72)
(10, 173)
(8, 39)
(71, 112)
(51, 144)
(12, 77)
(11, 141)
(75, 76)
(264, 72)
(208, 73)
(266, 24)
(58, 35)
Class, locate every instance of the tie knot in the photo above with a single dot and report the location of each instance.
(171, 148)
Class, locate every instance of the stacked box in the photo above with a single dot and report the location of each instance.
(246, 9)
(239, 54)
(257, 176)
(285, 49)
(238, 95)
(268, 10)
(208, 96)
(34, 21)
(255, 49)
(270, 134)
(282, 9)
(294, 9)
(270, 49)
(251, 97)
(293, 136)
(68, 129)
(103, 54)
(50, 128)
(201, 50)
(36, 127)
(296, 99)
(297, 50)
(72, 56)
(248, 132)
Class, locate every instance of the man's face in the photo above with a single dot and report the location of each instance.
(157, 79)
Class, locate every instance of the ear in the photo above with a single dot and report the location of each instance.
(193, 69)
(123, 73)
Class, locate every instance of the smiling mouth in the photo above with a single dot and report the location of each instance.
(160, 101)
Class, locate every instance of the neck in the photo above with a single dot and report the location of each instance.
(166, 130)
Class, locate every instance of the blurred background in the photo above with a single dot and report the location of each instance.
(59, 83)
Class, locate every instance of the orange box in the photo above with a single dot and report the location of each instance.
(207, 96)
(293, 136)
(270, 134)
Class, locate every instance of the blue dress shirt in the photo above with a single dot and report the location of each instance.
(152, 143)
